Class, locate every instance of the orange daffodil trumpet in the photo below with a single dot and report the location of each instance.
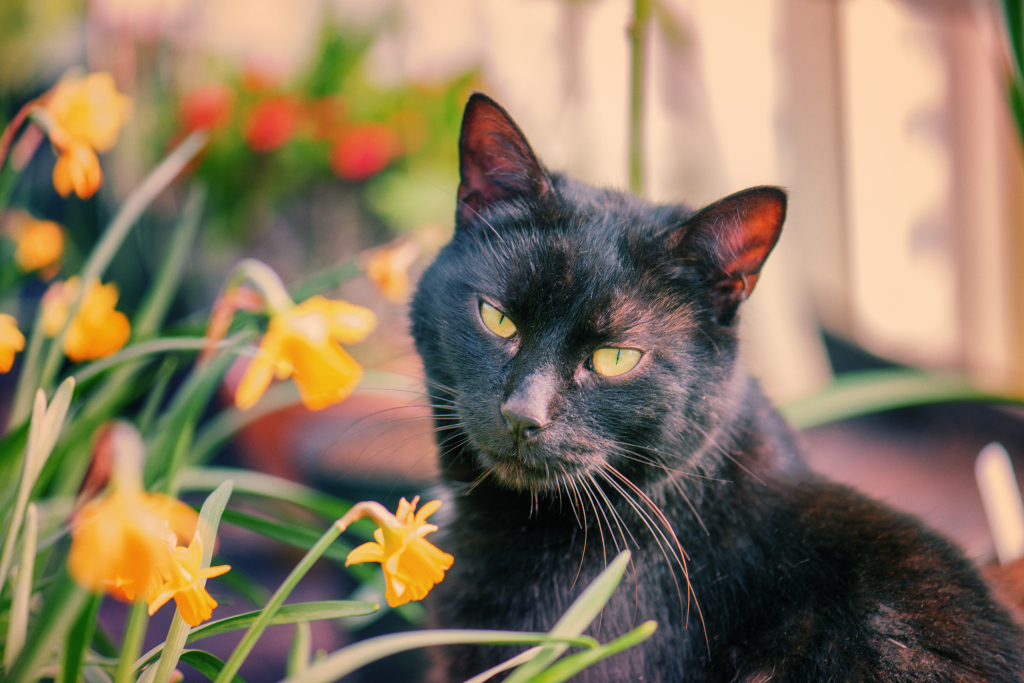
(303, 341)
(97, 330)
(11, 341)
(125, 543)
(82, 116)
(411, 564)
(186, 583)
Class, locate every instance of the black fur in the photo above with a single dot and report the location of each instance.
(786, 577)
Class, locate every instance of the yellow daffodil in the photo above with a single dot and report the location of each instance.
(40, 245)
(77, 170)
(89, 109)
(97, 330)
(412, 565)
(121, 543)
(187, 585)
(11, 341)
(388, 268)
(304, 342)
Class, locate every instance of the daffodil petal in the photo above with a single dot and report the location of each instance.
(367, 552)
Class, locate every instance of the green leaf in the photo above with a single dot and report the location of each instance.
(188, 405)
(570, 666)
(243, 585)
(158, 300)
(348, 659)
(44, 428)
(243, 648)
(17, 617)
(328, 278)
(78, 640)
(579, 615)
(873, 391)
(206, 664)
(288, 614)
(147, 348)
(297, 537)
(267, 486)
(61, 607)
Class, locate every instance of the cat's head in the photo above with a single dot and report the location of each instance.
(566, 330)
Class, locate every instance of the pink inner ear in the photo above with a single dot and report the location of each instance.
(748, 237)
(496, 161)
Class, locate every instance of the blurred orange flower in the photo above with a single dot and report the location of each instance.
(305, 343)
(363, 151)
(40, 244)
(77, 170)
(187, 585)
(82, 115)
(121, 543)
(208, 106)
(388, 268)
(97, 330)
(272, 124)
(411, 564)
(11, 341)
(89, 109)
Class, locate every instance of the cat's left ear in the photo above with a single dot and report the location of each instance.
(496, 162)
(732, 238)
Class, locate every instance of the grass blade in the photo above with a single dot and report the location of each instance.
(570, 666)
(288, 614)
(353, 657)
(579, 615)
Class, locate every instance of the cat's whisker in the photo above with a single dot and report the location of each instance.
(397, 445)
(662, 465)
(671, 479)
(621, 524)
(570, 482)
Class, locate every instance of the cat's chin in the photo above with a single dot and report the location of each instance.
(514, 473)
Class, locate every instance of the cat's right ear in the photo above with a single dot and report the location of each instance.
(495, 161)
(731, 239)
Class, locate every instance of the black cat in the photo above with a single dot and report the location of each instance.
(581, 354)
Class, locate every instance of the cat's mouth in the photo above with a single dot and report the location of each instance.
(527, 472)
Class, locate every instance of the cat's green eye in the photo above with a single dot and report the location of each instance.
(496, 321)
(611, 361)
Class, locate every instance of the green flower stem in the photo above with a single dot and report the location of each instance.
(267, 281)
(107, 247)
(134, 634)
(638, 32)
(149, 348)
(353, 657)
(256, 630)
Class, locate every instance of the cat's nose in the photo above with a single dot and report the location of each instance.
(520, 425)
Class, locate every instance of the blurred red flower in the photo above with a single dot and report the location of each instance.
(272, 124)
(208, 106)
(365, 150)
